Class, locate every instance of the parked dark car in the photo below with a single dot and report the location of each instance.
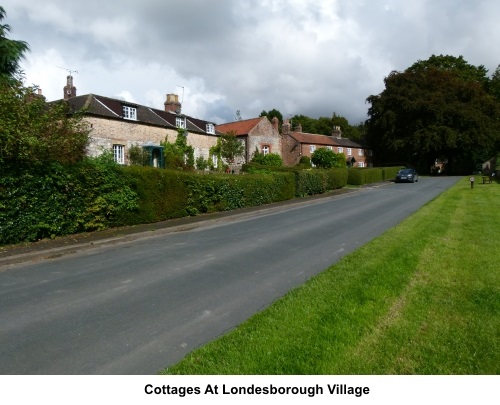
(407, 175)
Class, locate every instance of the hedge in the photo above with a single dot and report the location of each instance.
(308, 181)
(360, 176)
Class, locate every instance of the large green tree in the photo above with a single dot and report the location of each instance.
(435, 111)
(33, 130)
(11, 52)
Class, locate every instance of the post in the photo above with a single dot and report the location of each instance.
(472, 182)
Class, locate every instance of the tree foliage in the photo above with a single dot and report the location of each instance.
(439, 109)
(324, 126)
(327, 159)
(34, 131)
(11, 52)
(178, 155)
(231, 147)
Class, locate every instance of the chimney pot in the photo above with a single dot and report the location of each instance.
(172, 104)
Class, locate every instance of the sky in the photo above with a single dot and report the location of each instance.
(313, 58)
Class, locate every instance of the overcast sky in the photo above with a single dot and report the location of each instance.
(220, 56)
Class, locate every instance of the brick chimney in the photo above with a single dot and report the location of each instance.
(286, 127)
(275, 123)
(172, 104)
(69, 89)
(336, 133)
(298, 128)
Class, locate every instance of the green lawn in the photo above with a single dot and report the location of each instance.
(424, 298)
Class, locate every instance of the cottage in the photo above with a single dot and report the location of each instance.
(117, 125)
(256, 134)
(297, 144)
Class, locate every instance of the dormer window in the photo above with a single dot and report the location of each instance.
(129, 113)
(180, 122)
(210, 128)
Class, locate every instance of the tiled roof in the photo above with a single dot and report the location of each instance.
(112, 108)
(313, 139)
(240, 127)
(316, 139)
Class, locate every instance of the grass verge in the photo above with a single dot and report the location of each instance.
(424, 298)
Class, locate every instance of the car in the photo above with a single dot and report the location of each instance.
(407, 175)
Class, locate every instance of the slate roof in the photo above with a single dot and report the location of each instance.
(241, 128)
(111, 108)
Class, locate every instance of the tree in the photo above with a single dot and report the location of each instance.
(178, 155)
(34, 131)
(11, 52)
(271, 114)
(326, 159)
(231, 147)
(431, 111)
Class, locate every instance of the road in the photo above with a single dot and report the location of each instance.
(139, 306)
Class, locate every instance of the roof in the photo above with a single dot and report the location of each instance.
(240, 127)
(317, 139)
(303, 137)
(111, 108)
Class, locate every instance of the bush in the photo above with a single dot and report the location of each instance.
(327, 159)
(271, 159)
(44, 201)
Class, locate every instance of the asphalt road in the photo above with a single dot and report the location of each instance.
(137, 306)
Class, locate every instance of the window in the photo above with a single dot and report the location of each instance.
(349, 151)
(129, 113)
(329, 148)
(210, 128)
(215, 160)
(361, 152)
(180, 122)
(340, 149)
(265, 150)
(312, 148)
(361, 164)
(119, 154)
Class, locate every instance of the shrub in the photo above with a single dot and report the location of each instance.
(326, 159)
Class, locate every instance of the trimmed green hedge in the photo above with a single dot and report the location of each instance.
(360, 176)
(308, 181)
(52, 200)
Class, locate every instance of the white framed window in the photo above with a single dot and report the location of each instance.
(312, 148)
(349, 151)
(215, 160)
(210, 128)
(329, 148)
(340, 149)
(361, 152)
(119, 154)
(180, 122)
(129, 113)
(266, 150)
(361, 164)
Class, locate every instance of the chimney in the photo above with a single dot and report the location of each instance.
(337, 133)
(286, 127)
(275, 123)
(298, 128)
(69, 89)
(172, 104)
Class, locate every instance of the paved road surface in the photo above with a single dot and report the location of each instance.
(138, 306)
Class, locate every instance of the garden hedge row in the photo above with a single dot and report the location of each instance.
(360, 176)
(46, 201)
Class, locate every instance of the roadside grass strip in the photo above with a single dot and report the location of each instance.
(423, 298)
